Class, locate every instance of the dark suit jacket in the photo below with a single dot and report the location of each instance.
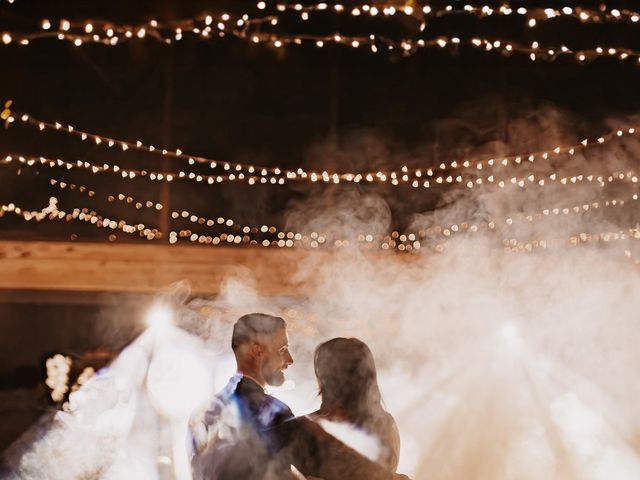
(249, 435)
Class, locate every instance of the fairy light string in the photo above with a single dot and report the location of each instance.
(249, 28)
(501, 182)
(281, 238)
(379, 43)
(425, 11)
(257, 174)
(131, 174)
(315, 239)
(402, 242)
(52, 212)
(519, 246)
(120, 197)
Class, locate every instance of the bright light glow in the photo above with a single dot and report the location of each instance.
(177, 381)
(160, 317)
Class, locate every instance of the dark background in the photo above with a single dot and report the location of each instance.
(335, 108)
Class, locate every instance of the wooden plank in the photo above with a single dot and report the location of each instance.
(139, 268)
(69, 297)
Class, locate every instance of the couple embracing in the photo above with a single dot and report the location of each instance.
(246, 434)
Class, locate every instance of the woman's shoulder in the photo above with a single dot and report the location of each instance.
(387, 423)
(388, 418)
(390, 436)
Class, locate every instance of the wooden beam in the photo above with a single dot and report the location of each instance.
(139, 268)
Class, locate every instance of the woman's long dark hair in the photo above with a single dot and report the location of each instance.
(348, 381)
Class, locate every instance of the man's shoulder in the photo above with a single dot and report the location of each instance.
(267, 410)
(279, 409)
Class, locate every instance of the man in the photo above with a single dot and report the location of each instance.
(249, 435)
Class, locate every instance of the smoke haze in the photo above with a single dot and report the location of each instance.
(508, 352)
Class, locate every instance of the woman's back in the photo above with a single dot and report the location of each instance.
(351, 400)
(378, 440)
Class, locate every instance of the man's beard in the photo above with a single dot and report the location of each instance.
(275, 378)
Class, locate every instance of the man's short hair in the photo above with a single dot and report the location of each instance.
(249, 327)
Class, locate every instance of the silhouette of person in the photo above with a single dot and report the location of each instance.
(348, 385)
(246, 434)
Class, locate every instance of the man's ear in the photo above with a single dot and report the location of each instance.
(256, 350)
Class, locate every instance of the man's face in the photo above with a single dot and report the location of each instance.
(276, 358)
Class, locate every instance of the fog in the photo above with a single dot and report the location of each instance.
(505, 351)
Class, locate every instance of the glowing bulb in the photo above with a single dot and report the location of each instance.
(46, 24)
(65, 25)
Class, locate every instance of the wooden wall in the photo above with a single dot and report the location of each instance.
(139, 268)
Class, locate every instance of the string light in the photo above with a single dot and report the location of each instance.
(121, 197)
(256, 174)
(242, 233)
(113, 34)
(130, 174)
(514, 245)
(395, 241)
(239, 25)
(291, 238)
(425, 11)
(442, 180)
(58, 368)
(404, 242)
(422, 10)
(38, 215)
(314, 240)
(125, 145)
(243, 27)
(510, 220)
(51, 212)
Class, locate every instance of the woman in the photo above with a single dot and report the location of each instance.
(348, 383)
